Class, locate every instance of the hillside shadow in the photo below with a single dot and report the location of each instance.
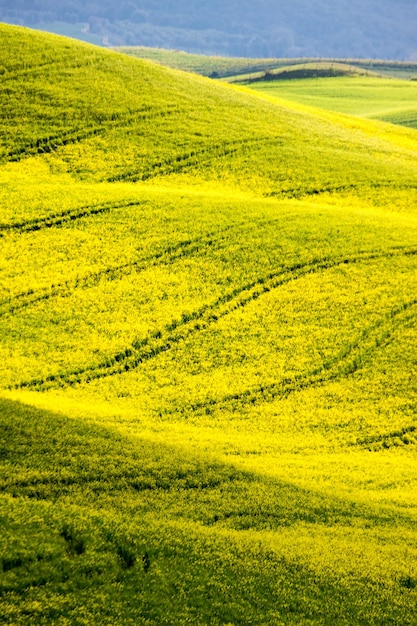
(49, 457)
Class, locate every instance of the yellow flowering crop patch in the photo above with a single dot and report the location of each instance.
(208, 327)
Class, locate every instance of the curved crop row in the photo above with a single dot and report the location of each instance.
(173, 252)
(195, 156)
(163, 340)
(345, 363)
(70, 215)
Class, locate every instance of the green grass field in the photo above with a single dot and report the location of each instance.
(387, 99)
(208, 383)
(234, 68)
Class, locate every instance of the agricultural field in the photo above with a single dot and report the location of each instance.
(388, 99)
(234, 69)
(369, 88)
(208, 329)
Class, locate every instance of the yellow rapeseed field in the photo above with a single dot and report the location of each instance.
(208, 307)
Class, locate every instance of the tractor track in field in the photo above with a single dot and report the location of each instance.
(64, 217)
(405, 436)
(17, 72)
(52, 142)
(182, 249)
(48, 144)
(187, 160)
(298, 193)
(346, 362)
(143, 350)
(132, 480)
(185, 248)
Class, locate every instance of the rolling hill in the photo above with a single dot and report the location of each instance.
(208, 344)
(354, 93)
(386, 99)
(234, 69)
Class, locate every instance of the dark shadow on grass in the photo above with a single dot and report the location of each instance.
(50, 457)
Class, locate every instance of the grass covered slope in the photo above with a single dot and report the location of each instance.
(106, 117)
(234, 68)
(167, 536)
(386, 99)
(208, 345)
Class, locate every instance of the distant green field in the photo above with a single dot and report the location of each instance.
(369, 88)
(390, 100)
(234, 68)
(208, 344)
(213, 66)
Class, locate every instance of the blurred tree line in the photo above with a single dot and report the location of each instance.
(261, 28)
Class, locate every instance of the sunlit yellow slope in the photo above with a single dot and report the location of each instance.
(102, 116)
(208, 329)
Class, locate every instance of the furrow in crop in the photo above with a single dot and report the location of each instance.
(64, 217)
(161, 341)
(45, 145)
(345, 363)
(174, 252)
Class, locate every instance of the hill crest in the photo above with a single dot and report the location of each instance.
(82, 104)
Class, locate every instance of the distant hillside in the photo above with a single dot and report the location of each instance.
(349, 28)
(236, 69)
(374, 97)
